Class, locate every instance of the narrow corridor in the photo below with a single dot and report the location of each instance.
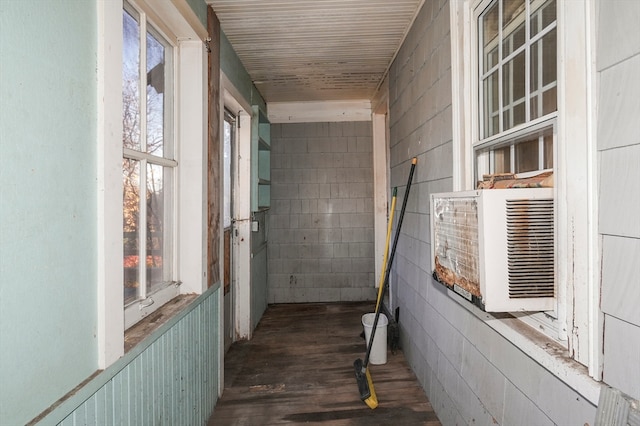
(298, 368)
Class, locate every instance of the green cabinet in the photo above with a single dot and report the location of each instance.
(260, 160)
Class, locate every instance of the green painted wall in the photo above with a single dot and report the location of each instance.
(47, 202)
(234, 70)
(199, 7)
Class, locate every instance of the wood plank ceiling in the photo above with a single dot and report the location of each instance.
(315, 50)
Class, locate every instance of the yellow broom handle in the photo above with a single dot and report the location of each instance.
(386, 247)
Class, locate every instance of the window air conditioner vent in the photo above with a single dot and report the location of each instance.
(530, 248)
(496, 247)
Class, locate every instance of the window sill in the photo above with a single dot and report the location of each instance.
(136, 333)
(542, 349)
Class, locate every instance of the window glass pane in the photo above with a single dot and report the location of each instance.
(130, 82)
(155, 95)
(482, 165)
(549, 100)
(512, 12)
(513, 29)
(513, 90)
(156, 226)
(502, 160)
(519, 113)
(131, 230)
(489, 36)
(227, 173)
(548, 13)
(535, 78)
(526, 156)
(491, 105)
(548, 151)
(510, 60)
(543, 16)
(543, 76)
(549, 58)
(513, 41)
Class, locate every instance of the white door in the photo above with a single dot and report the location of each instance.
(229, 143)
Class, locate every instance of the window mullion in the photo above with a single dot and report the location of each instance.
(527, 63)
(541, 153)
(500, 73)
(543, 32)
(142, 230)
(143, 82)
(492, 161)
(142, 289)
(512, 158)
(153, 159)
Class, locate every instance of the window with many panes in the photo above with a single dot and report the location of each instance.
(517, 100)
(148, 164)
(523, 77)
(517, 81)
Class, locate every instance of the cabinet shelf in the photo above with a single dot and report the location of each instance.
(260, 160)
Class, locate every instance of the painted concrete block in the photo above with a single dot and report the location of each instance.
(335, 129)
(324, 191)
(330, 236)
(484, 379)
(341, 250)
(471, 409)
(619, 192)
(619, 99)
(619, 34)
(308, 191)
(518, 409)
(620, 272)
(315, 145)
(621, 355)
(362, 264)
(303, 221)
(307, 226)
(295, 205)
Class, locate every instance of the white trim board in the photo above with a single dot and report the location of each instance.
(317, 112)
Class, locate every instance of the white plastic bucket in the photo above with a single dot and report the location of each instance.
(379, 349)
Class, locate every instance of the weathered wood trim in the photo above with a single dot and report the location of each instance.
(321, 111)
(213, 151)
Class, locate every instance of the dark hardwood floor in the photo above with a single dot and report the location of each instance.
(298, 368)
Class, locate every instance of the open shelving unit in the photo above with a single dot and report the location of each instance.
(260, 160)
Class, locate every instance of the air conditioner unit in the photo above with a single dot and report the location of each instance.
(495, 247)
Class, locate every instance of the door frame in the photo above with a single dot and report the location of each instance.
(241, 240)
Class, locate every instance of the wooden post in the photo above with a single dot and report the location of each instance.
(213, 151)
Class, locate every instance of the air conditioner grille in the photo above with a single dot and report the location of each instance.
(530, 248)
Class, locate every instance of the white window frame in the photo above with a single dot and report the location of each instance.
(190, 135)
(575, 182)
(510, 136)
(150, 302)
(551, 323)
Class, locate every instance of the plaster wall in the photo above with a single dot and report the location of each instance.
(48, 217)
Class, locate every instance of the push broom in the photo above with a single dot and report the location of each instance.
(386, 245)
(363, 377)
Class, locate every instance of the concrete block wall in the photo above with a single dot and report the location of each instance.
(321, 244)
(618, 66)
(471, 374)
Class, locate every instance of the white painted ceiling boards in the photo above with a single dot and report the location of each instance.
(315, 50)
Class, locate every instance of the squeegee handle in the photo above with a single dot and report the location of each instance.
(414, 161)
